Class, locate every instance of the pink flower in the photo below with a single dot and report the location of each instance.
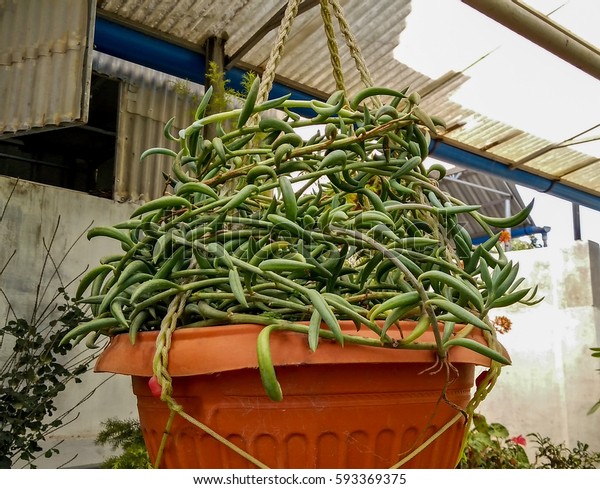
(155, 387)
(519, 440)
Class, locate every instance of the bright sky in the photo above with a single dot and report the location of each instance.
(516, 82)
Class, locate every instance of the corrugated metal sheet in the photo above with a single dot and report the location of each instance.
(491, 193)
(305, 54)
(45, 63)
(377, 27)
(148, 99)
(586, 177)
(140, 129)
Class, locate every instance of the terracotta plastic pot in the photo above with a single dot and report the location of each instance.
(350, 407)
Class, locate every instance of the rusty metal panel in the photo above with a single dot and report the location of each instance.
(45, 63)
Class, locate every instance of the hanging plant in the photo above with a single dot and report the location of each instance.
(328, 214)
(289, 231)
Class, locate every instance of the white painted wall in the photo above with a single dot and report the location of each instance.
(553, 380)
(549, 388)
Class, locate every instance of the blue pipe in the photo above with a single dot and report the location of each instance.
(127, 43)
(519, 232)
(463, 158)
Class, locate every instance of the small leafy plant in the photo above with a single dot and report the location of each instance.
(489, 446)
(30, 381)
(558, 456)
(38, 367)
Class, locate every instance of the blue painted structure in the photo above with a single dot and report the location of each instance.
(140, 48)
(520, 232)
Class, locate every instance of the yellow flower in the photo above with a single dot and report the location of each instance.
(505, 236)
(502, 324)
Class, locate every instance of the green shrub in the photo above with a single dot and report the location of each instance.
(36, 368)
(551, 456)
(33, 376)
(127, 436)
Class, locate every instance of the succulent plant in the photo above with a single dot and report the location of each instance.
(264, 225)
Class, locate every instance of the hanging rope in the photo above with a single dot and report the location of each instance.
(284, 30)
(160, 368)
(334, 54)
(176, 307)
(169, 322)
(355, 51)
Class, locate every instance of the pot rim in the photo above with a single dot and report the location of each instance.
(233, 347)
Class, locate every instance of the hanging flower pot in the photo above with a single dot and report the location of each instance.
(357, 407)
(292, 252)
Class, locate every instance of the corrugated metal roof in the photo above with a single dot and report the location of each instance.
(497, 197)
(305, 57)
(44, 63)
(378, 30)
(34, 50)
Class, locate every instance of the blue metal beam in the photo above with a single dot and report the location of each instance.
(140, 48)
(132, 45)
(126, 43)
(520, 232)
(463, 158)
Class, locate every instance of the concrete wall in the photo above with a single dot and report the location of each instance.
(553, 380)
(549, 388)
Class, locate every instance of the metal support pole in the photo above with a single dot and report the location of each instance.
(543, 31)
(508, 230)
(576, 222)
